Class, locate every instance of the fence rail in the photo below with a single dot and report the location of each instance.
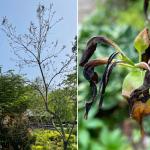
(45, 126)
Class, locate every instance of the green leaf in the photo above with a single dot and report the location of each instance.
(94, 123)
(141, 42)
(104, 136)
(84, 138)
(95, 145)
(133, 80)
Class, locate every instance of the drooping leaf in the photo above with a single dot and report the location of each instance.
(105, 77)
(92, 45)
(92, 77)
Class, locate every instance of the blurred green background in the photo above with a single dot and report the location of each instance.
(111, 129)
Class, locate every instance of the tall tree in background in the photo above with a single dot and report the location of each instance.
(35, 49)
(15, 97)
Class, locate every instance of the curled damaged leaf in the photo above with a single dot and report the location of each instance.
(105, 77)
(140, 110)
(136, 84)
(91, 101)
(91, 47)
(89, 66)
(142, 42)
(92, 77)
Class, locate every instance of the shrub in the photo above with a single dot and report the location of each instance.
(49, 139)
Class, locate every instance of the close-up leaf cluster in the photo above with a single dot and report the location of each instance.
(113, 120)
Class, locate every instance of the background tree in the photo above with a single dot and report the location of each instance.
(34, 49)
(15, 98)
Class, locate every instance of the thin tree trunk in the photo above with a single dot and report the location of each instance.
(65, 144)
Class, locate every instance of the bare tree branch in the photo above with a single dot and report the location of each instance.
(34, 49)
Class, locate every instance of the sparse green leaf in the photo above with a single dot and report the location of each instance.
(133, 80)
(141, 42)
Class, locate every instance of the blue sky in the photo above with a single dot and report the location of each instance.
(21, 12)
